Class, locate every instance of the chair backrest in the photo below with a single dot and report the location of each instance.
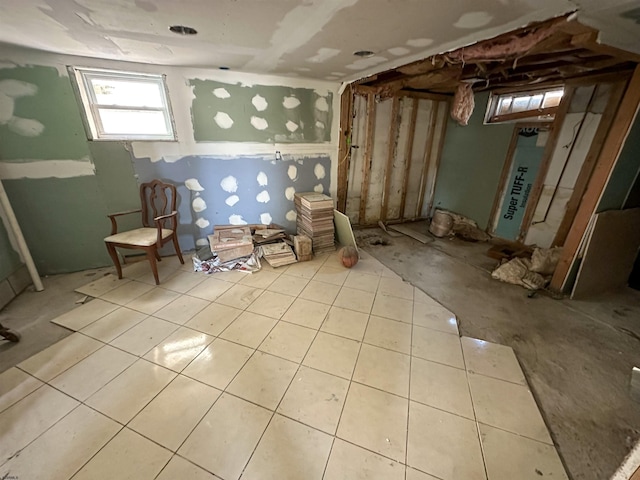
(157, 198)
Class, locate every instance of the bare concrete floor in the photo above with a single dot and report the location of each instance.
(577, 356)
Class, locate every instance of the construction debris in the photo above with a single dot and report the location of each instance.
(278, 254)
(303, 248)
(315, 219)
(231, 243)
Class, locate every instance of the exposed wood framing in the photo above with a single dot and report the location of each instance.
(589, 163)
(344, 147)
(509, 117)
(408, 155)
(427, 157)
(506, 169)
(368, 151)
(552, 142)
(610, 152)
(393, 141)
(436, 167)
(365, 90)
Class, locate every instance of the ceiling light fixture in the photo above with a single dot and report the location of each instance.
(364, 53)
(182, 30)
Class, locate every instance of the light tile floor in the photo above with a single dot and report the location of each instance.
(310, 372)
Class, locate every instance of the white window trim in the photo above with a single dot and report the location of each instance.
(535, 115)
(91, 118)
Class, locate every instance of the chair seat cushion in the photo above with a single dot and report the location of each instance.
(140, 236)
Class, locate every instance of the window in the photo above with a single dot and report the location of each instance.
(125, 106)
(540, 104)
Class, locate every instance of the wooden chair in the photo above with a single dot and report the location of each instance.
(158, 211)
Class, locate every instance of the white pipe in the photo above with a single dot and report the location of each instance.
(22, 245)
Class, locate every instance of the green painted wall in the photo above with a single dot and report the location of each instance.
(312, 115)
(9, 258)
(470, 165)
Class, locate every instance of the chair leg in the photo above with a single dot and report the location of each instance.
(157, 255)
(177, 247)
(114, 257)
(151, 256)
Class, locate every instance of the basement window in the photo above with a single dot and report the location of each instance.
(124, 105)
(538, 105)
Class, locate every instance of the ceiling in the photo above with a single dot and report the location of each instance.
(308, 38)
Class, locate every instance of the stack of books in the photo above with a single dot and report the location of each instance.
(315, 220)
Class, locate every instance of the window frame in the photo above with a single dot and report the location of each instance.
(90, 107)
(540, 114)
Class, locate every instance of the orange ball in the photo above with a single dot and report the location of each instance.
(348, 256)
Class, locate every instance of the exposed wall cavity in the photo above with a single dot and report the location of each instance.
(259, 113)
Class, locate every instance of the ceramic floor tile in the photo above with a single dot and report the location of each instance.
(60, 356)
(14, 386)
(94, 372)
(224, 440)
(210, 289)
(393, 308)
(182, 309)
(271, 304)
(492, 360)
(136, 269)
(508, 456)
(114, 324)
(362, 281)
(315, 399)
(182, 282)
(239, 296)
(167, 268)
(383, 369)
(421, 297)
(27, 419)
(320, 292)
(332, 354)
(82, 316)
(437, 346)
(127, 456)
(218, 363)
(288, 341)
(261, 279)
(375, 420)
(443, 444)
(178, 467)
(60, 451)
(174, 413)
(303, 269)
(349, 462)
(353, 299)
(345, 323)
(289, 451)
(144, 336)
(153, 300)
(306, 313)
(249, 329)
(413, 474)
(288, 285)
(388, 273)
(369, 266)
(263, 380)
(389, 334)
(441, 386)
(102, 285)
(127, 292)
(213, 319)
(434, 316)
(507, 406)
(395, 288)
(335, 275)
(234, 276)
(124, 396)
(177, 350)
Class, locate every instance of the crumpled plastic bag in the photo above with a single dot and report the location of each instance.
(545, 260)
(517, 272)
(247, 264)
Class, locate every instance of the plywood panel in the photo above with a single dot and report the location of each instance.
(378, 162)
(423, 121)
(580, 150)
(357, 155)
(434, 160)
(396, 184)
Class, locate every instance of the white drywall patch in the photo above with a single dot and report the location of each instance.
(202, 223)
(259, 123)
(265, 218)
(363, 63)
(471, 20)
(232, 200)
(262, 179)
(291, 126)
(289, 192)
(263, 197)
(399, 51)
(17, 88)
(260, 103)
(6, 108)
(27, 127)
(319, 171)
(337, 74)
(193, 184)
(198, 204)
(292, 172)
(323, 55)
(46, 169)
(236, 220)
(291, 215)
(318, 188)
(221, 93)
(223, 120)
(319, 124)
(290, 102)
(419, 42)
(302, 69)
(322, 105)
(202, 242)
(229, 184)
